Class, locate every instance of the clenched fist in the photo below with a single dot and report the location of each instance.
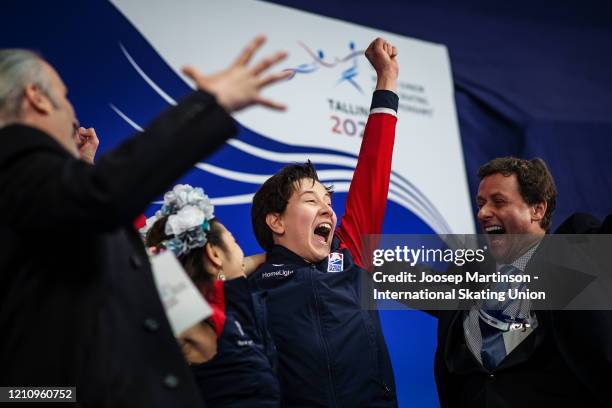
(382, 55)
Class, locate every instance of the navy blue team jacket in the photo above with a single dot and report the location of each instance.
(242, 373)
(331, 351)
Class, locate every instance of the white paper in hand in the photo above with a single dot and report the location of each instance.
(182, 301)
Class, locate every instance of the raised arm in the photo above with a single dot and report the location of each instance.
(367, 196)
(44, 188)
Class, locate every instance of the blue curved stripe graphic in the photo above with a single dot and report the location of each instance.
(334, 167)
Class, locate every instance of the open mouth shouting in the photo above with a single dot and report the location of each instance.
(495, 229)
(322, 233)
(497, 239)
(505, 246)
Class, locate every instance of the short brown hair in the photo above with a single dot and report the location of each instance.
(273, 196)
(536, 184)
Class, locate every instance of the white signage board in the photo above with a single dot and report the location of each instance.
(328, 97)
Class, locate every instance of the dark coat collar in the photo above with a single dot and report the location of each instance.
(18, 138)
(281, 255)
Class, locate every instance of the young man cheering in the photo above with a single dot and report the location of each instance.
(331, 351)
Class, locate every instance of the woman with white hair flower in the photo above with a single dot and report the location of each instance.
(231, 354)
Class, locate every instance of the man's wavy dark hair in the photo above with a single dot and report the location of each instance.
(536, 184)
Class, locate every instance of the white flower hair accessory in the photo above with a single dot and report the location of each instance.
(188, 211)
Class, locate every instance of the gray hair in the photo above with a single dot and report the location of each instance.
(18, 68)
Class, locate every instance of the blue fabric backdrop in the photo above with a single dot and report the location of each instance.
(531, 79)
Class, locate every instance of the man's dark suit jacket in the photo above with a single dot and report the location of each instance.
(565, 362)
(78, 304)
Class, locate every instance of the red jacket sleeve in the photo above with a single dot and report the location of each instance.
(367, 196)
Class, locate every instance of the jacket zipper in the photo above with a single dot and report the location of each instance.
(323, 341)
(262, 325)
